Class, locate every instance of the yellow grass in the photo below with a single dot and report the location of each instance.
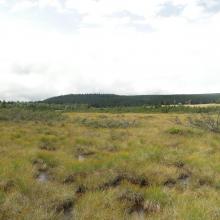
(109, 168)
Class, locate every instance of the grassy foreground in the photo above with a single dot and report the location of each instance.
(108, 166)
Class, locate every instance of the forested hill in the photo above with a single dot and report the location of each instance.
(110, 100)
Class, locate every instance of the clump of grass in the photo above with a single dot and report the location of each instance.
(46, 159)
(6, 185)
(151, 207)
(118, 135)
(82, 141)
(83, 151)
(133, 201)
(74, 177)
(175, 131)
(157, 195)
(177, 120)
(99, 205)
(141, 181)
(2, 198)
(179, 131)
(48, 143)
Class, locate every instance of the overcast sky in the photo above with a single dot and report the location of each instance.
(54, 47)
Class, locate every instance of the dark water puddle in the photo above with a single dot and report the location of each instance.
(170, 182)
(67, 215)
(66, 207)
(184, 179)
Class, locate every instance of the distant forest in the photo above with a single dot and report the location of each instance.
(110, 100)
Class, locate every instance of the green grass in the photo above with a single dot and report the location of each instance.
(132, 166)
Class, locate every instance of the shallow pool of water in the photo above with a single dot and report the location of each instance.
(42, 177)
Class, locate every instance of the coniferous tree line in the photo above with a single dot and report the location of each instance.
(111, 100)
(14, 107)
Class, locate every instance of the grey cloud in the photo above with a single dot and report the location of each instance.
(16, 92)
(50, 86)
(169, 9)
(210, 6)
(27, 69)
(21, 70)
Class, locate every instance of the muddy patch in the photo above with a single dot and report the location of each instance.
(141, 181)
(205, 181)
(111, 183)
(170, 182)
(48, 148)
(182, 179)
(136, 205)
(81, 189)
(65, 208)
(42, 173)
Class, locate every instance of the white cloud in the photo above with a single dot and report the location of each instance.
(2, 2)
(23, 5)
(115, 47)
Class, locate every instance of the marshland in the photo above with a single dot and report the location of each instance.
(109, 110)
(88, 165)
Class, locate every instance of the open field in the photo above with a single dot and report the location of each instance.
(108, 167)
(205, 105)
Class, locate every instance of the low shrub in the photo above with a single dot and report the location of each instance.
(17, 115)
(210, 122)
(180, 131)
(107, 123)
(175, 131)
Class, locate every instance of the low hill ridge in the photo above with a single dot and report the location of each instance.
(112, 100)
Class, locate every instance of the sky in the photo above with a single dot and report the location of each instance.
(57, 47)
